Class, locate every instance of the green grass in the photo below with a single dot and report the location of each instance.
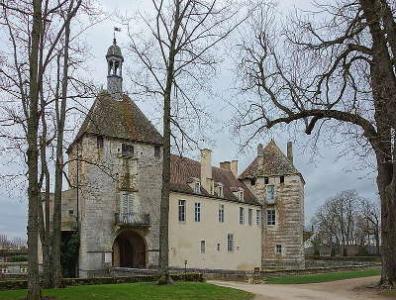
(322, 277)
(141, 291)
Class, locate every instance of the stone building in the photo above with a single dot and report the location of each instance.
(279, 188)
(217, 220)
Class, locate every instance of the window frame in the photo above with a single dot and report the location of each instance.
(127, 150)
(203, 246)
(197, 187)
(99, 141)
(241, 215)
(272, 198)
(278, 249)
(221, 213)
(197, 212)
(181, 212)
(258, 217)
(250, 217)
(271, 221)
(220, 191)
(230, 242)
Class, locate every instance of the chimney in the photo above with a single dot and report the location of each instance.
(260, 158)
(260, 150)
(226, 165)
(290, 151)
(206, 169)
(234, 168)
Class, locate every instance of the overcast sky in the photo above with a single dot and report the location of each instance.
(325, 173)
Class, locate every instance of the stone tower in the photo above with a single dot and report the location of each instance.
(279, 187)
(114, 70)
(116, 163)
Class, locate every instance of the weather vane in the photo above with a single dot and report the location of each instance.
(116, 29)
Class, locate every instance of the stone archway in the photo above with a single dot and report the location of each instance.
(129, 250)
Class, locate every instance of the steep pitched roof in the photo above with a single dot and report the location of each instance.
(118, 119)
(183, 169)
(274, 163)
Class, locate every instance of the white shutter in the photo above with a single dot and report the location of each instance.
(124, 203)
(131, 200)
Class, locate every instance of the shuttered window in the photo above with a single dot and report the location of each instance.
(127, 203)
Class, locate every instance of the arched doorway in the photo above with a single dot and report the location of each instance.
(129, 250)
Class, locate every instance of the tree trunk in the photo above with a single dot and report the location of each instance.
(388, 229)
(164, 213)
(34, 292)
(60, 118)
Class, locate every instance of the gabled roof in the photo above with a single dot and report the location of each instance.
(183, 169)
(274, 163)
(118, 119)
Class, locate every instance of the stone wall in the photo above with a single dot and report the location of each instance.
(288, 230)
(101, 172)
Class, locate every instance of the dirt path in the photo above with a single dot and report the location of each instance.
(349, 289)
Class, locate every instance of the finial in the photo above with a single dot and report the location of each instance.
(116, 29)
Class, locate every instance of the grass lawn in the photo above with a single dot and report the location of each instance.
(141, 291)
(322, 277)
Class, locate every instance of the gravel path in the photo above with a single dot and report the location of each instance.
(349, 289)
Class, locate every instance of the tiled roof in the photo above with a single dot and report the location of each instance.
(183, 169)
(274, 163)
(118, 119)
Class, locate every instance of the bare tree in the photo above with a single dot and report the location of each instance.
(39, 36)
(336, 68)
(336, 220)
(178, 59)
(371, 216)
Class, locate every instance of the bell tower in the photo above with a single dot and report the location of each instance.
(114, 70)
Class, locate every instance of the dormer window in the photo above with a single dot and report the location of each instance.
(197, 187)
(127, 150)
(99, 142)
(240, 195)
(219, 190)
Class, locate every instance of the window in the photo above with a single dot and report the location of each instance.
(266, 180)
(71, 211)
(240, 195)
(197, 187)
(271, 216)
(126, 207)
(221, 213)
(270, 193)
(218, 246)
(250, 216)
(258, 217)
(230, 242)
(157, 151)
(278, 249)
(99, 142)
(220, 191)
(197, 212)
(202, 246)
(182, 210)
(282, 179)
(241, 215)
(253, 181)
(127, 150)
